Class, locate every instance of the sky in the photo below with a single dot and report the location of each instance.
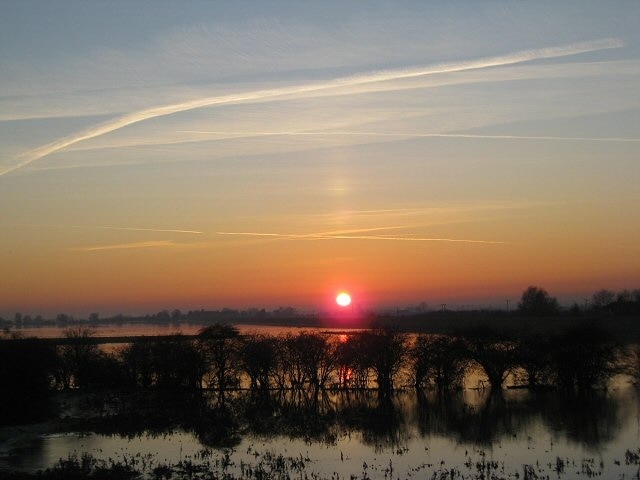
(160, 155)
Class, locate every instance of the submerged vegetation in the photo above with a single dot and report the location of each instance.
(210, 465)
(581, 358)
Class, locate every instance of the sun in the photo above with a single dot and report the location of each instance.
(343, 299)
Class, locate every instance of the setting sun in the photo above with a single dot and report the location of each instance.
(343, 299)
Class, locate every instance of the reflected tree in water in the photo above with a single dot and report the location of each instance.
(586, 418)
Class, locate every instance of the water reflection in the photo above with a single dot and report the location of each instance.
(380, 423)
(383, 421)
(482, 418)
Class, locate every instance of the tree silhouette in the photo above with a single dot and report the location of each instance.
(258, 360)
(534, 354)
(494, 351)
(318, 358)
(585, 356)
(602, 298)
(537, 300)
(78, 364)
(438, 360)
(384, 351)
(220, 344)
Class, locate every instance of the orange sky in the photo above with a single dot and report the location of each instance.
(255, 157)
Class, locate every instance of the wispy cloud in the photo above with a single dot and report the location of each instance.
(422, 135)
(106, 227)
(126, 246)
(306, 90)
(395, 238)
(134, 229)
(111, 102)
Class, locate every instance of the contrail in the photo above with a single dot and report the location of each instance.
(321, 236)
(419, 135)
(301, 90)
(126, 246)
(104, 227)
(133, 229)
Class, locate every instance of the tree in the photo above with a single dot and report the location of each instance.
(439, 360)
(624, 296)
(220, 344)
(317, 358)
(537, 301)
(78, 365)
(494, 351)
(534, 355)
(602, 298)
(258, 360)
(384, 351)
(585, 356)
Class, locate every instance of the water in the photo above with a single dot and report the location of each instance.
(343, 434)
(141, 329)
(361, 434)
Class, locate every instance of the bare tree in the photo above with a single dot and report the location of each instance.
(258, 360)
(384, 351)
(438, 360)
(318, 358)
(493, 351)
(78, 358)
(534, 357)
(353, 367)
(220, 345)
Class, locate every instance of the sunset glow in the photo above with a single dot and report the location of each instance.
(259, 155)
(343, 299)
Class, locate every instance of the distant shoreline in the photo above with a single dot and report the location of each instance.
(625, 328)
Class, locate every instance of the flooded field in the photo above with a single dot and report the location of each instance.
(280, 402)
(344, 434)
(150, 329)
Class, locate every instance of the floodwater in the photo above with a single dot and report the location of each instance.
(141, 329)
(361, 434)
(467, 434)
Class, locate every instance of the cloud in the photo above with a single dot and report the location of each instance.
(425, 135)
(133, 229)
(114, 101)
(322, 236)
(306, 90)
(104, 227)
(126, 246)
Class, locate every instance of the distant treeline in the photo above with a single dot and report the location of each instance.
(582, 357)
(164, 317)
(534, 300)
